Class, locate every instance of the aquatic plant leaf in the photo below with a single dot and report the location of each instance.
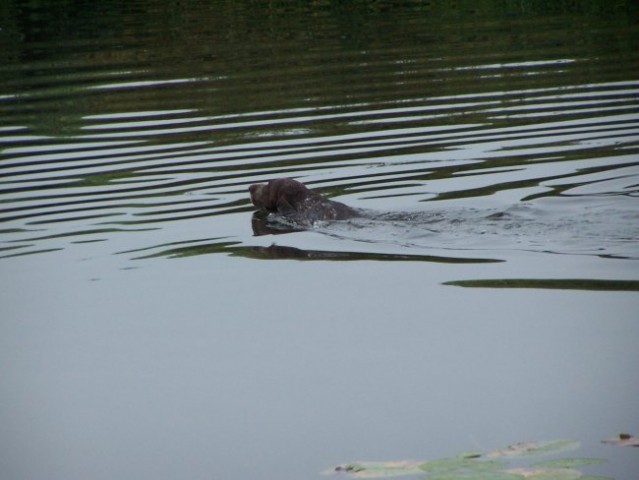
(378, 469)
(460, 465)
(498, 475)
(524, 449)
(623, 440)
(487, 466)
(547, 473)
(570, 462)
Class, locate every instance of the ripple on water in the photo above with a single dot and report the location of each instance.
(465, 146)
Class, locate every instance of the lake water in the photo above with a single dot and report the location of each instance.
(151, 328)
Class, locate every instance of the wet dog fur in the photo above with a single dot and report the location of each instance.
(293, 200)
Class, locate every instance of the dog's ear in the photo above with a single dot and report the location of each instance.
(264, 196)
(284, 195)
(284, 206)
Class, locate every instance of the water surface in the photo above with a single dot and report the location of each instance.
(153, 328)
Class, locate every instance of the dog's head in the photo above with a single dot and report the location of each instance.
(280, 195)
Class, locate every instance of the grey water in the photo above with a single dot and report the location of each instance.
(152, 327)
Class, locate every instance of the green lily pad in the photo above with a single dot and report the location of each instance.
(525, 449)
(491, 465)
(378, 469)
(547, 473)
(460, 465)
(498, 475)
(570, 462)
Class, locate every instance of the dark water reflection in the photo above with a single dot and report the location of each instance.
(383, 127)
(492, 144)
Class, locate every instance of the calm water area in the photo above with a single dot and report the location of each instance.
(151, 327)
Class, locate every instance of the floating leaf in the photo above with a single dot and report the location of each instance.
(378, 469)
(623, 440)
(498, 475)
(524, 449)
(475, 466)
(547, 473)
(461, 465)
(570, 462)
